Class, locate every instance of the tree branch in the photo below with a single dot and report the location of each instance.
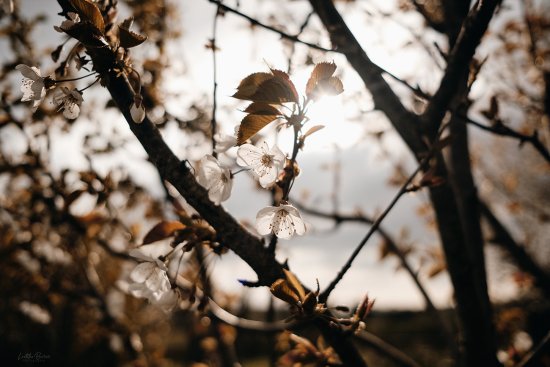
(503, 238)
(500, 129)
(458, 65)
(338, 218)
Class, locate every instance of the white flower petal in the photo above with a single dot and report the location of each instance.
(215, 179)
(249, 156)
(29, 72)
(264, 219)
(71, 111)
(142, 271)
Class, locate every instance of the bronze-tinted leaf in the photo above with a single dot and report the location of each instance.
(313, 129)
(295, 284)
(251, 124)
(331, 86)
(261, 108)
(130, 39)
(309, 303)
(286, 79)
(87, 33)
(249, 85)
(275, 90)
(322, 71)
(89, 11)
(162, 230)
(281, 290)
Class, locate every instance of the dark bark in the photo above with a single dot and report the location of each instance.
(471, 301)
(501, 237)
(465, 191)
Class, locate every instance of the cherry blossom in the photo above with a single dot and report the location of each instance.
(149, 278)
(283, 221)
(215, 178)
(265, 163)
(33, 86)
(69, 101)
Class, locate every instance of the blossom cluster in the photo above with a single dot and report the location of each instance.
(265, 163)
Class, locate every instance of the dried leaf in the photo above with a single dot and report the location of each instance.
(249, 85)
(90, 12)
(251, 124)
(322, 71)
(295, 284)
(162, 230)
(281, 290)
(313, 129)
(275, 90)
(130, 39)
(261, 108)
(331, 87)
(309, 303)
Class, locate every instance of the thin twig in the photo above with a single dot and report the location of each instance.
(214, 46)
(503, 130)
(404, 189)
(296, 39)
(270, 28)
(534, 353)
(339, 218)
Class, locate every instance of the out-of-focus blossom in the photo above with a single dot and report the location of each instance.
(149, 279)
(282, 220)
(69, 101)
(214, 178)
(265, 163)
(224, 142)
(35, 312)
(33, 86)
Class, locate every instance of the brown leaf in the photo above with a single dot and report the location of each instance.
(286, 79)
(89, 11)
(249, 85)
(313, 129)
(261, 108)
(275, 90)
(322, 71)
(130, 39)
(281, 290)
(295, 284)
(162, 230)
(332, 87)
(251, 124)
(87, 33)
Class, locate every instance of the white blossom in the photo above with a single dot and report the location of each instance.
(283, 221)
(137, 111)
(69, 101)
(149, 279)
(265, 163)
(214, 178)
(33, 86)
(68, 23)
(224, 142)
(35, 312)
